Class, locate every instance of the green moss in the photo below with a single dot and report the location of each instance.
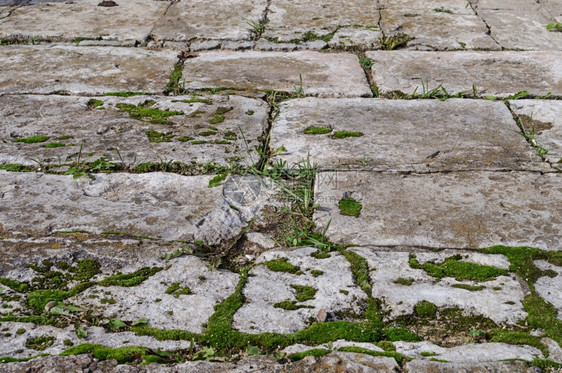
(345, 134)
(185, 138)
(130, 279)
(122, 354)
(94, 103)
(317, 130)
(54, 145)
(176, 290)
(290, 305)
(282, 265)
(424, 353)
(304, 293)
(207, 133)
(546, 364)
(386, 345)
(320, 255)
(468, 287)
(366, 63)
(404, 281)
(174, 85)
(395, 355)
(425, 309)
(400, 334)
(318, 352)
(33, 139)
(453, 267)
(360, 270)
(194, 99)
(394, 41)
(40, 343)
(439, 360)
(316, 272)
(16, 167)
(519, 338)
(146, 113)
(230, 135)
(350, 207)
(20, 287)
(216, 119)
(39, 298)
(9, 359)
(37, 320)
(20, 331)
(155, 136)
(174, 287)
(344, 292)
(331, 331)
(199, 142)
(87, 268)
(125, 94)
(163, 335)
(250, 112)
(311, 36)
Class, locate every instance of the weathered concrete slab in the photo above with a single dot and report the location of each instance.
(493, 73)
(519, 24)
(357, 36)
(87, 70)
(420, 135)
(199, 134)
(130, 20)
(323, 74)
(159, 205)
(330, 277)
(503, 306)
(543, 118)
(183, 309)
(289, 20)
(188, 20)
(428, 366)
(549, 286)
(436, 25)
(462, 210)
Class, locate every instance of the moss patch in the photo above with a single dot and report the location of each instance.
(404, 281)
(350, 207)
(360, 270)
(468, 287)
(346, 134)
(316, 272)
(54, 145)
(282, 265)
(94, 103)
(304, 293)
(125, 94)
(395, 355)
(146, 113)
(290, 305)
(318, 352)
(130, 279)
(122, 354)
(33, 139)
(317, 130)
(425, 309)
(454, 267)
(16, 167)
(40, 343)
(155, 136)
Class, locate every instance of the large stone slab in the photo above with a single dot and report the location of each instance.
(188, 20)
(519, 24)
(323, 74)
(493, 73)
(446, 210)
(160, 205)
(199, 134)
(500, 299)
(83, 70)
(402, 135)
(330, 277)
(290, 20)
(543, 118)
(130, 20)
(436, 25)
(549, 287)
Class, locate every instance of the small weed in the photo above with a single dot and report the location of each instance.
(392, 42)
(299, 92)
(366, 63)
(256, 28)
(174, 86)
(554, 26)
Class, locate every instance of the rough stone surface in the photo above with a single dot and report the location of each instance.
(334, 346)
(333, 74)
(83, 70)
(159, 205)
(555, 351)
(451, 135)
(496, 74)
(131, 20)
(549, 287)
(425, 366)
(365, 37)
(109, 128)
(187, 20)
(547, 124)
(266, 288)
(463, 210)
(185, 311)
(502, 306)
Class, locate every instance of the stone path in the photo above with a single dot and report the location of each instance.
(280, 186)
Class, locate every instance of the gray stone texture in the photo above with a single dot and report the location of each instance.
(83, 70)
(426, 366)
(549, 287)
(492, 73)
(323, 74)
(114, 135)
(420, 135)
(69, 20)
(462, 210)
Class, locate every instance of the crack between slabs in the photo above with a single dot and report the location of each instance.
(488, 27)
(379, 9)
(408, 173)
(149, 37)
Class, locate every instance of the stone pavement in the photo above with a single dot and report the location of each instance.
(280, 186)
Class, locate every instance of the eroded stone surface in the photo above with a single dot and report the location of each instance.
(500, 299)
(83, 70)
(130, 20)
(425, 366)
(187, 20)
(493, 73)
(421, 135)
(333, 346)
(323, 74)
(164, 310)
(546, 117)
(464, 210)
(160, 205)
(200, 134)
(336, 291)
(549, 287)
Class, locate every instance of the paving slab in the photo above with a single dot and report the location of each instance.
(446, 210)
(330, 277)
(290, 20)
(543, 118)
(130, 20)
(83, 70)
(519, 25)
(357, 36)
(436, 25)
(187, 20)
(493, 73)
(428, 366)
(323, 74)
(549, 286)
(182, 309)
(416, 135)
(500, 299)
(159, 205)
(199, 133)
